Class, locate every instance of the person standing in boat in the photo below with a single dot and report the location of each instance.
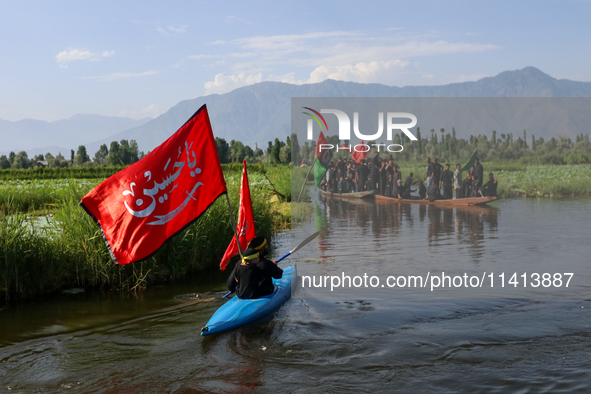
(445, 182)
(438, 169)
(478, 172)
(327, 178)
(433, 192)
(467, 185)
(351, 178)
(389, 176)
(430, 171)
(475, 190)
(375, 170)
(396, 176)
(408, 182)
(458, 181)
(383, 177)
(361, 172)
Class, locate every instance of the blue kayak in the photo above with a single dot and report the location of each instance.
(238, 312)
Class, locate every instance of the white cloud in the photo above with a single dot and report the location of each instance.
(171, 29)
(67, 56)
(115, 76)
(387, 56)
(364, 72)
(151, 111)
(232, 18)
(178, 65)
(225, 83)
(203, 56)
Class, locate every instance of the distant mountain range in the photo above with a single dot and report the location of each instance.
(38, 136)
(261, 112)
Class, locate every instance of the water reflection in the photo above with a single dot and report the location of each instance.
(363, 222)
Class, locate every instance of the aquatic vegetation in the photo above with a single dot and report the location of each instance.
(39, 194)
(526, 180)
(546, 180)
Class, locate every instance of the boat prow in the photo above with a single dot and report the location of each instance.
(355, 195)
(237, 312)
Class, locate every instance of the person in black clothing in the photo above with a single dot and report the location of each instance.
(430, 171)
(390, 176)
(389, 186)
(268, 267)
(478, 172)
(362, 171)
(422, 190)
(438, 169)
(446, 182)
(248, 279)
(383, 177)
(397, 175)
(375, 170)
(475, 189)
(458, 181)
(433, 192)
(333, 178)
(246, 276)
(490, 188)
(467, 185)
(408, 182)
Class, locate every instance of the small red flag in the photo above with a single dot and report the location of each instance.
(148, 202)
(245, 227)
(321, 140)
(358, 156)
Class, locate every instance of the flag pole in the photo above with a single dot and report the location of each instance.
(304, 184)
(233, 224)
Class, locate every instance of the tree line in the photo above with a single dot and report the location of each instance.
(445, 146)
(126, 152)
(120, 153)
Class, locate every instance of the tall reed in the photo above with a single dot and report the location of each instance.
(72, 252)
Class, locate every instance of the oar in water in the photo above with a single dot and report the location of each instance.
(304, 242)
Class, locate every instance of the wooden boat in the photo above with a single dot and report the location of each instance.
(364, 195)
(450, 203)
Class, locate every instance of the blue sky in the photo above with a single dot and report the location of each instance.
(139, 58)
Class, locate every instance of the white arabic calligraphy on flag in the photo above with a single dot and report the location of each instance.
(143, 205)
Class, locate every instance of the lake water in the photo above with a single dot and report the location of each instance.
(352, 339)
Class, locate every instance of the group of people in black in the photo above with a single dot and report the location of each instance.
(382, 176)
(375, 174)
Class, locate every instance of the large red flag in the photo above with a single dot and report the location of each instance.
(148, 202)
(358, 156)
(245, 227)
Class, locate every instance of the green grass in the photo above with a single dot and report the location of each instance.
(58, 173)
(36, 260)
(298, 178)
(39, 194)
